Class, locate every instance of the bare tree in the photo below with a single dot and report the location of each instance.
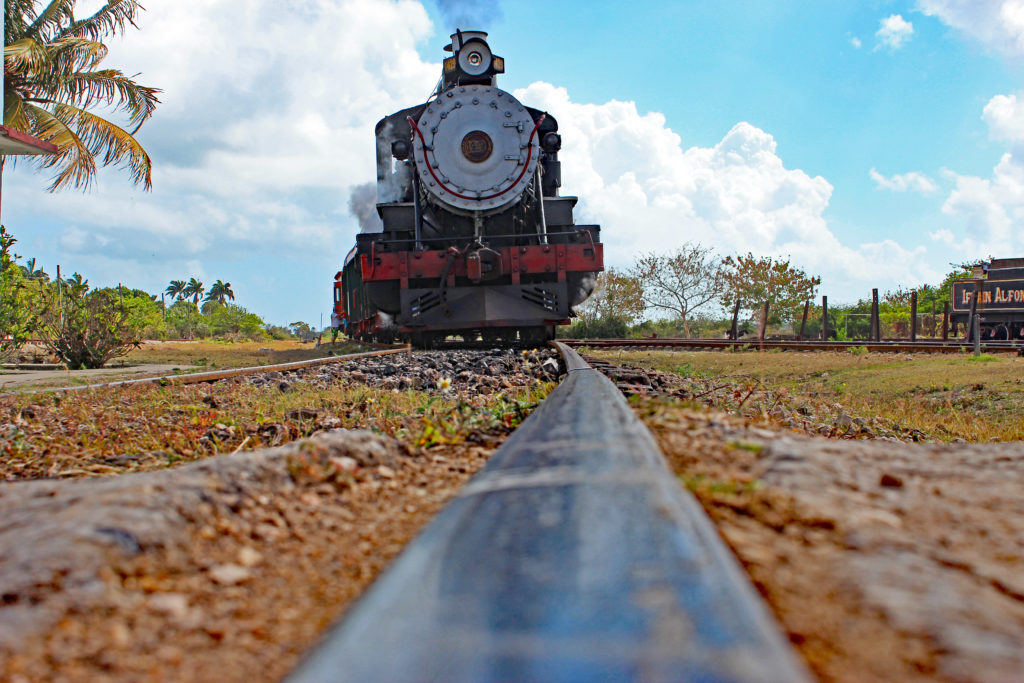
(681, 282)
(617, 295)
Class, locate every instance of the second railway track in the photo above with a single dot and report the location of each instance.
(885, 346)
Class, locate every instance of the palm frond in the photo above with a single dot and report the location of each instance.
(15, 115)
(50, 19)
(85, 89)
(26, 56)
(74, 54)
(104, 139)
(75, 159)
(111, 18)
(18, 16)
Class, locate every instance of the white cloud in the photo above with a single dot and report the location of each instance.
(650, 194)
(997, 24)
(259, 137)
(855, 41)
(894, 32)
(992, 209)
(903, 182)
(1004, 115)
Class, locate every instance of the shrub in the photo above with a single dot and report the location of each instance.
(85, 328)
(17, 319)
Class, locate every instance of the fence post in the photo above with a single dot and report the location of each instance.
(976, 315)
(945, 321)
(913, 316)
(824, 318)
(735, 320)
(764, 322)
(876, 327)
(803, 321)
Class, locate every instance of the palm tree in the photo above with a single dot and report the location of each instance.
(51, 81)
(194, 289)
(176, 289)
(220, 292)
(30, 272)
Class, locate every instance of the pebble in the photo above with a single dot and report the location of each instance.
(230, 574)
(249, 557)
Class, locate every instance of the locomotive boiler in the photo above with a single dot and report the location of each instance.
(476, 240)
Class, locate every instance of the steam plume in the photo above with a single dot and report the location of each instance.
(362, 204)
(469, 14)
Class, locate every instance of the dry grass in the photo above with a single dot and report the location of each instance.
(114, 430)
(227, 354)
(948, 396)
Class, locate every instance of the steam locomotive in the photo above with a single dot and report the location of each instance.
(476, 240)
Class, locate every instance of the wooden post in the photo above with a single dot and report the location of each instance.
(824, 318)
(876, 327)
(913, 316)
(803, 321)
(945, 321)
(971, 315)
(935, 321)
(976, 315)
(735, 320)
(764, 322)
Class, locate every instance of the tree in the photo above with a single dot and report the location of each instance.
(52, 81)
(85, 328)
(194, 289)
(755, 281)
(17, 320)
(31, 273)
(616, 295)
(681, 282)
(176, 290)
(220, 292)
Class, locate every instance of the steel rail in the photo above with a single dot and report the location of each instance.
(893, 346)
(216, 375)
(574, 555)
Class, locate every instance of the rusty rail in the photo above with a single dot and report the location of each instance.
(574, 555)
(216, 375)
(892, 346)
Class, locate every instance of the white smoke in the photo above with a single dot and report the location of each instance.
(362, 204)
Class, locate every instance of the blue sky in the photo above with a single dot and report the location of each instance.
(872, 142)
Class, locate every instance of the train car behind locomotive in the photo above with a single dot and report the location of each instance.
(476, 239)
(1000, 308)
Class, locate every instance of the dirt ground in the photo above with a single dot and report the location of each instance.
(223, 570)
(883, 560)
(11, 380)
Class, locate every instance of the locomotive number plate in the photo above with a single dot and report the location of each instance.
(477, 146)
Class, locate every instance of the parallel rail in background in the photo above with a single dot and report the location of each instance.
(804, 345)
(217, 375)
(574, 555)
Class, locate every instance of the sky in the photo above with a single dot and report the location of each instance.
(872, 143)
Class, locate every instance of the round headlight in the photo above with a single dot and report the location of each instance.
(475, 58)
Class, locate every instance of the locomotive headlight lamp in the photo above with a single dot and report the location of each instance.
(474, 58)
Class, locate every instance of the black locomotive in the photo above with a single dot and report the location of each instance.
(1000, 308)
(476, 240)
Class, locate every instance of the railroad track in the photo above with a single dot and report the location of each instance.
(889, 346)
(217, 375)
(574, 555)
